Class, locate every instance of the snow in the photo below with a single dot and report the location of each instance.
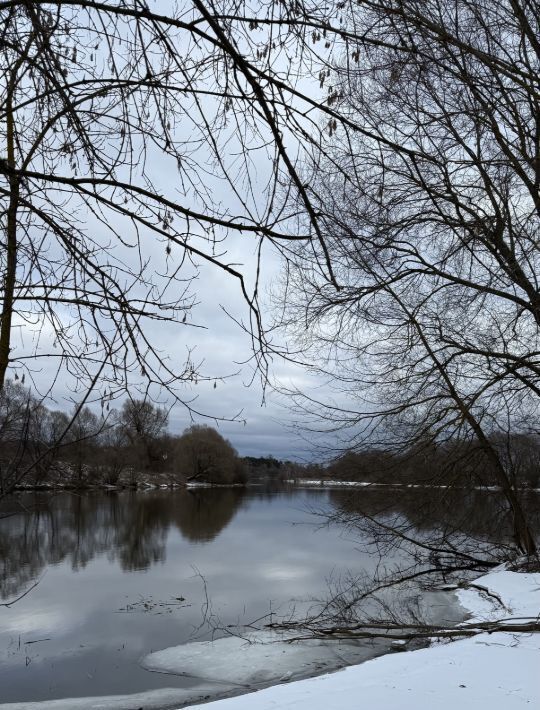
(520, 594)
(498, 671)
(333, 483)
(329, 482)
(465, 674)
(150, 700)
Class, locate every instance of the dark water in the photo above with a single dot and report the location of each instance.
(112, 569)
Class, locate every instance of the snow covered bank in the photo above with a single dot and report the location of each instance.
(331, 483)
(498, 671)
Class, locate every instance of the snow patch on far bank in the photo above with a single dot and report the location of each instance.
(333, 483)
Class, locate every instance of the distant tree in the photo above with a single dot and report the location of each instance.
(142, 423)
(15, 402)
(141, 419)
(16, 406)
(113, 453)
(366, 466)
(24, 435)
(56, 423)
(202, 454)
(265, 467)
(82, 439)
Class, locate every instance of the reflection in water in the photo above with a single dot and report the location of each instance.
(202, 515)
(478, 514)
(131, 528)
(102, 603)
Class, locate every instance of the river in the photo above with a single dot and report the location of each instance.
(120, 575)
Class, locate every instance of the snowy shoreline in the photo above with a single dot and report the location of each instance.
(496, 670)
(329, 483)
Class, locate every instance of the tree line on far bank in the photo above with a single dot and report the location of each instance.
(118, 447)
(453, 464)
(131, 445)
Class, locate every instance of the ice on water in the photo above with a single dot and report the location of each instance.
(259, 658)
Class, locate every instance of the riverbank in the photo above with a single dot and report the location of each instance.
(331, 483)
(493, 670)
(141, 483)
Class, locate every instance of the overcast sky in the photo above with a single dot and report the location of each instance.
(226, 350)
(263, 424)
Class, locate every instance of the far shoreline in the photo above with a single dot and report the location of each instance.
(146, 485)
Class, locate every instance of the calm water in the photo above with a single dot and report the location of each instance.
(121, 575)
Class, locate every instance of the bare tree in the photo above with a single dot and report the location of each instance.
(143, 423)
(81, 440)
(17, 408)
(415, 245)
(119, 127)
(141, 419)
(429, 200)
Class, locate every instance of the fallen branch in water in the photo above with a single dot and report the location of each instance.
(408, 632)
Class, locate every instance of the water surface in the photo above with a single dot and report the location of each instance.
(124, 574)
(120, 575)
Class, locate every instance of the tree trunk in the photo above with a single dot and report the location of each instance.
(11, 258)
